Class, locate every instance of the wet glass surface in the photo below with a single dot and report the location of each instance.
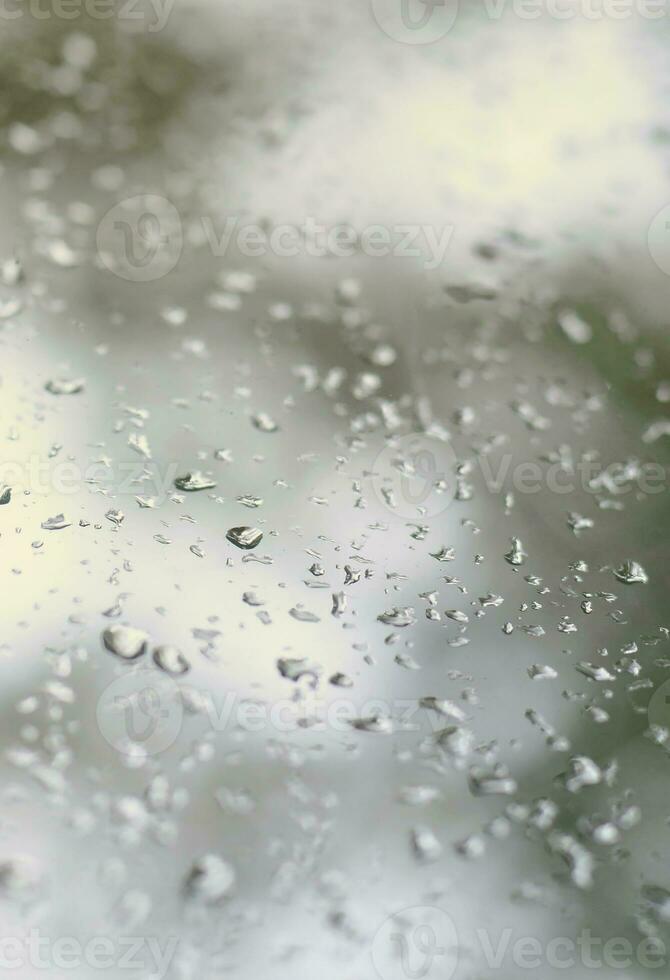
(333, 502)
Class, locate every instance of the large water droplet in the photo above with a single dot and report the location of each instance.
(244, 537)
(125, 641)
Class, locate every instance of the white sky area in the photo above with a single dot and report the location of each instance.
(541, 124)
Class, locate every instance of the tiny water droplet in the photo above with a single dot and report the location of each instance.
(64, 386)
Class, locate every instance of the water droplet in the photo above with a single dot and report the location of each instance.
(295, 669)
(516, 555)
(425, 844)
(171, 660)
(631, 573)
(398, 617)
(194, 481)
(125, 641)
(57, 523)
(497, 783)
(376, 724)
(249, 500)
(210, 880)
(444, 554)
(264, 422)
(244, 537)
(64, 386)
(574, 328)
(303, 615)
(138, 441)
(20, 876)
(542, 672)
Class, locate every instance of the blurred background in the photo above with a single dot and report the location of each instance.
(354, 266)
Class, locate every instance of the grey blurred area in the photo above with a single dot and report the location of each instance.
(142, 338)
